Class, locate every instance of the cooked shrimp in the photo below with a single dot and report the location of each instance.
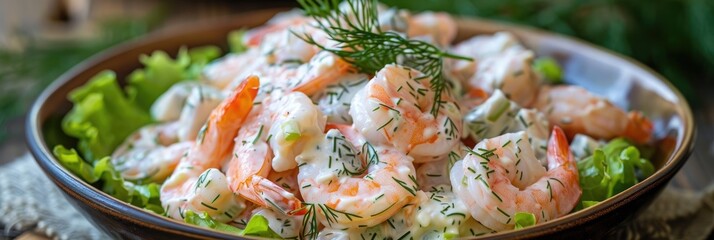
(151, 153)
(334, 101)
(439, 28)
(472, 99)
(430, 215)
(388, 19)
(223, 72)
(280, 22)
(275, 51)
(324, 69)
(478, 48)
(578, 111)
(511, 72)
(269, 141)
(394, 109)
(195, 184)
(199, 104)
(502, 177)
(286, 46)
(350, 190)
(287, 180)
(434, 176)
(168, 106)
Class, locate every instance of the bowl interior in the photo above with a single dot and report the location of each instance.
(627, 83)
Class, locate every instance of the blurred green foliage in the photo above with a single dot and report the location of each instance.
(24, 73)
(674, 37)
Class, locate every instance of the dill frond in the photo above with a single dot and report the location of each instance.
(361, 42)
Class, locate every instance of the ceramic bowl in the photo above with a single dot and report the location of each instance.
(626, 82)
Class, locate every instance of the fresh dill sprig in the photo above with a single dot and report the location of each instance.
(310, 220)
(361, 42)
(310, 225)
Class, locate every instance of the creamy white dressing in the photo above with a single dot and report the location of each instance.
(430, 215)
(335, 100)
(583, 146)
(288, 227)
(297, 110)
(199, 104)
(434, 186)
(479, 48)
(499, 115)
(168, 106)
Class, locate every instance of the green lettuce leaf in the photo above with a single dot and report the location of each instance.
(160, 72)
(524, 219)
(200, 57)
(204, 220)
(549, 68)
(611, 170)
(257, 225)
(235, 41)
(103, 175)
(102, 116)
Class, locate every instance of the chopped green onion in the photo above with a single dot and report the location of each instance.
(500, 110)
(549, 68)
(524, 219)
(291, 129)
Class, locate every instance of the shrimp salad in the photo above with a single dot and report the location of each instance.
(309, 128)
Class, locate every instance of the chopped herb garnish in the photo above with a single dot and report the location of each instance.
(366, 46)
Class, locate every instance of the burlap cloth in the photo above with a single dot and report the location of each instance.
(29, 201)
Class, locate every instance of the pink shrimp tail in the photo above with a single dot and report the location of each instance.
(639, 128)
(562, 166)
(266, 193)
(558, 149)
(318, 83)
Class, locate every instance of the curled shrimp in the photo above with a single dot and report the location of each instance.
(479, 48)
(275, 52)
(269, 141)
(280, 22)
(434, 175)
(286, 46)
(437, 27)
(347, 188)
(499, 62)
(223, 72)
(151, 153)
(578, 111)
(511, 72)
(502, 177)
(196, 184)
(323, 69)
(429, 215)
(395, 109)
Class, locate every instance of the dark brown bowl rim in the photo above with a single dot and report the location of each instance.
(106, 204)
